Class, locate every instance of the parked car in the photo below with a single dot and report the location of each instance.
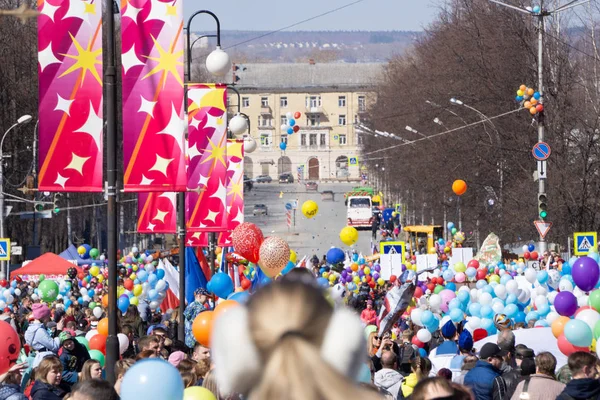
(286, 178)
(263, 179)
(312, 186)
(260, 209)
(327, 195)
(248, 185)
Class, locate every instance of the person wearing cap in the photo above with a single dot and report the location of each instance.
(443, 354)
(36, 336)
(485, 379)
(191, 312)
(72, 355)
(368, 316)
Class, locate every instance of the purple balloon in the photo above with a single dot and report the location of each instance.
(565, 304)
(361, 273)
(585, 273)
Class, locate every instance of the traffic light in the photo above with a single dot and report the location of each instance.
(39, 207)
(56, 205)
(542, 205)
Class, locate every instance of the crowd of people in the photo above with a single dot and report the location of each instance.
(288, 342)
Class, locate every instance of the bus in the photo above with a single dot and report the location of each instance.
(359, 212)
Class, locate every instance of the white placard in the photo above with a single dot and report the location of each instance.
(391, 264)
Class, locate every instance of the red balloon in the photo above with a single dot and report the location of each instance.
(567, 348)
(444, 257)
(296, 128)
(297, 115)
(534, 255)
(473, 263)
(3, 283)
(481, 274)
(81, 275)
(393, 278)
(418, 292)
(246, 239)
(417, 342)
(246, 284)
(372, 285)
(431, 286)
(98, 342)
(527, 255)
(9, 348)
(128, 284)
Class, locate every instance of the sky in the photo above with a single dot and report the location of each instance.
(268, 15)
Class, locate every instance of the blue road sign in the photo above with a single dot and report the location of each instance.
(392, 248)
(353, 161)
(4, 249)
(584, 241)
(541, 151)
(288, 206)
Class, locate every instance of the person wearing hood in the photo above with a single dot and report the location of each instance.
(442, 355)
(585, 384)
(369, 315)
(36, 335)
(388, 377)
(72, 355)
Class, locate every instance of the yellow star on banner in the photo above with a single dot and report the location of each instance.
(236, 190)
(172, 10)
(235, 149)
(167, 62)
(217, 153)
(90, 8)
(86, 59)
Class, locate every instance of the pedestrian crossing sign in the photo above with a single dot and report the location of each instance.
(4, 249)
(584, 242)
(353, 161)
(392, 248)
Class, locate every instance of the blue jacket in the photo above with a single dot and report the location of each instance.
(481, 380)
(11, 392)
(583, 389)
(44, 391)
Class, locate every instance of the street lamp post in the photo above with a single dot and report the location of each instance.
(21, 121)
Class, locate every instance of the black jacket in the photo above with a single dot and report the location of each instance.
(45, 391)
(581, 389)
(511, 377)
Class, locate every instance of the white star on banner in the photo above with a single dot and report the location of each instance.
(47, 57)
(195, 122)
(147, 106)
(93, 127)
(161, 164)
(77, 163)
(151, 227)
(160, 216)
(145, 181)
(220, 193)
(77, 10)
(190, 243)
(171, 196)
(159, 11)
(211, 216)
(203, 180)
(131, 12)
(61, 180)
(239, 218)
(49, 10)
(130, 59)
(193, 152)
(63, 105)
(174, 128)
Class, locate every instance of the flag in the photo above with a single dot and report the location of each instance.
(194, 275)
(207, 158)
(235, 189)
(157, 212)
(153, 109)
(196, 239)
(171, 301)
(70, 96)
(395, 303)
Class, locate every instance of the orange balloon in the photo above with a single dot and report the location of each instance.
(103, 326)
(533, 110)
(105, 301)
(530, 91)
(202, 327)
(523, 88)
(459, 187)
(223, 307)
(558, 326)
(527, 104)
(98, 342)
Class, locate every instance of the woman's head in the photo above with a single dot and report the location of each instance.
(50, 370)
(433, 388)
(91, 370)
(421, 366)
(373, 343)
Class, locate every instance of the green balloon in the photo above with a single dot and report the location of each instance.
(454, 230)
(83, 341)
(42, 277)
(438, 289)
(94, 253)
(92, 305)
(594, 300)
(98, 356)
(48, 290)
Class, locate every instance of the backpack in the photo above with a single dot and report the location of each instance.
(407, 354)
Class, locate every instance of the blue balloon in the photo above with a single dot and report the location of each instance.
(292, 122)
(511, 299)
(91, 292)
(142, 275)
(240, 297)
(519, 99)
(578, 333)
(471, 272)
(160, 273)
(13, 284)
(68, 303)
(282, 145)
(450, 225)
(336, 255)
(442, 242)
(542, 323)
(454, 303)
(355, 257)
(221, 285)
(323, 282)
(290, 266)
(532, 315)
(152, 378)
(543, 310)
(567, 269)
(463, 296)
(451, 286)
(511, 310)
(80, 300)
(475, 309)
(456, 315)
(531, 247)
(536, 95)
(152, 294)
(481, 284)
(434, 325)
(123, 303)
(427, 317)
(488, 325)
(152, 279)
(422, 353)
(536, 9)
(290, 131)
(542, 277)
(520, 317)
(487, 312)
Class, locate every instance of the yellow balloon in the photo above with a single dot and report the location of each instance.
(100, 278)
(94, 271)
(356, 279)
(325, 275)
(332, 278)
(349, 235)
(135, 268)
(376, 199)
(367, 271)
(137, 290)
(134, 301)
(432, 250)
(380, 282)
(520, 92)
(198, 393)
(310, 209)
(293, 256)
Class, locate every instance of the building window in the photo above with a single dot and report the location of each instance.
(362, 104)
(303, 140)
(264, 102)
(312, 139)
(342, 119)
(284, 120)
(283, 102)
(356, 119)
(313, 120)
(323, 140)
(245, 101)
(284, 139)
(264, 121)
(341, 101)
(359, 139)
(313, 101)
(265, 139)
(342, 140)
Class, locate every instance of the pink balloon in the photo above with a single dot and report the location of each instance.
(274, 256)
(247, 239)
(446, 296)
(460, 277)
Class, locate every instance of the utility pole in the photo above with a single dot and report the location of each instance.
(539, 12)
(69, 229)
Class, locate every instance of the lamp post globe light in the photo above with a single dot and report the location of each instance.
(238, 125)
(249, 144)
(218, 62)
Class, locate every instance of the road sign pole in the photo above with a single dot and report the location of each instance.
(541, 182)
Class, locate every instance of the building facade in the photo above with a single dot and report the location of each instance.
(331, 99)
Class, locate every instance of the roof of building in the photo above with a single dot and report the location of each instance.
(306, 76)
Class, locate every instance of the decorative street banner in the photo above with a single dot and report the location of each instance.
(157, 212)
(196, 239)
(207, 158)
(153, 110)
(70, 95)
(235, 189)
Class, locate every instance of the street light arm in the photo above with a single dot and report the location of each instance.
(572, 4)
(239, 103)
(511, 6)
(188, 33)
(4, 137)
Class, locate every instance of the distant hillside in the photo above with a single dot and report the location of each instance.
(322, 46)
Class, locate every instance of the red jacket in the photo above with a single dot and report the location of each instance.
(369, 317)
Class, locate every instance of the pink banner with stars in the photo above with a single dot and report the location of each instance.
(70, 95)
(153, 109)
(207, 158)
(235, 189)
(157, 212)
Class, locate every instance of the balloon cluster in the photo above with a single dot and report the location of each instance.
(290, 127)
(529, 99)
(86, 251)
(529, 252)
(359, 271)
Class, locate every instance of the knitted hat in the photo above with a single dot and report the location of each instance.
(465, 341)
(40, 311)
(479, 334)
(176, 357)
(449, 330)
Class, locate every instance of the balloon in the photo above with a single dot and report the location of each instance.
(335, 256)
(246, 239)
(578, 333)
(348, 235)
(223, 307)
(297, 114)
(221, 285)
(594, 300)
(274, 256)
(152, 378)
(98, 342)
(283, 145)
(530, 275)
(103, 326)
(83, 341)
(310, 209)
(585, 273)
(460, 267)
(94, 253)
(424, 335)
(98, 356)
(123, 342)
(198, 393)
(202, 327)
(48, 290)
(10, 347)
(590, 317)
(459, 187)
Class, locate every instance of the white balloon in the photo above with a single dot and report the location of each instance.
(6, 293)
(289, 115)
(35, 297)
(520, 270)
(565, 285)
(154, 305)
(473, 323)
(9, 299)
(583, 300)
(540, 301)
(123, 342)
(551, 296)
(97, 312)
(415, 316)
(531, 275)
(525, 248)
(485, 299)
(523, 295)
(578, 292)
(17, 292)
(589, 316)
(435, 301)
(161, 285)
(498, 307)
(551, 317)
(424, 335)
(474, 295)
(83, 291)
(541, 291)
(91, 334)
(2, 305)
(500, 291)
(512, 287)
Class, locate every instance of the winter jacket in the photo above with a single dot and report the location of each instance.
(442, 356)
(541, 387)
(369, 317)
(72, 362)
(512, 377)
(11, 392)
(482, 380)
(39, 339)
(389, 380)
(581, 389)
(45, 391)
(409, 383)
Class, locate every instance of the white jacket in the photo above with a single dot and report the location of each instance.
(389, 380)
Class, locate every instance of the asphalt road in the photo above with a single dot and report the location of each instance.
(308, 236)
